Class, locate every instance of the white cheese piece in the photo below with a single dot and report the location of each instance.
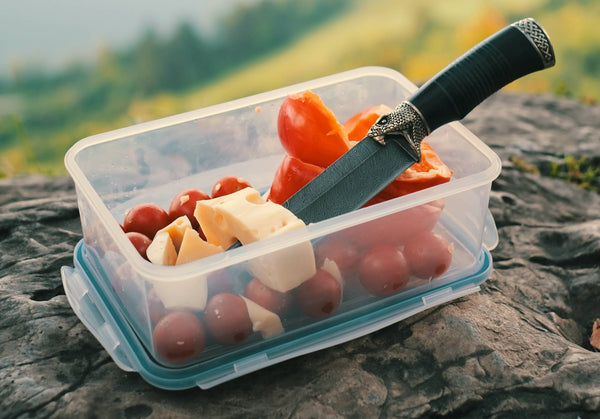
(162, 250)
(285, 269)
(264, 321)
(193, 247)
(177, 229)
(243, 215)
(188, 294)
(331, 267)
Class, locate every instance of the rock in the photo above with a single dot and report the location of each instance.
(520, 347)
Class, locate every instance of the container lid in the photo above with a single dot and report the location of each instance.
(112, 330)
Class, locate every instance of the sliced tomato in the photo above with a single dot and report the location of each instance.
(309, 131)
(358, 125)
(291, 175)
(430, 171)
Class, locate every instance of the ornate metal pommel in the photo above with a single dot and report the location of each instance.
(539, 38)
(404, 123)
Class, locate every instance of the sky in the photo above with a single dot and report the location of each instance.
(53, 33)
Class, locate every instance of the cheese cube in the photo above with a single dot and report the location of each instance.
(177, 229)
(264, 321)
(285, 269)
(243, 215)
(193, 247)
(186, 294)
(332, 267)
(162, 250)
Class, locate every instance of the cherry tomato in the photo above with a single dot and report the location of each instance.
(320, 295)
(184, 203)
(344, 253)
(383, 270)
(220, 281)
(229, 184)
(291, 175)
(429, 255)
(227, 319)
(275, 301)
(155, 306)
(146, 219)
(395, 228)
(178, 337)
(309, 131)
(358, 125)
(140, 242)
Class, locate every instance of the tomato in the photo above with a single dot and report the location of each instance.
(184, 203)
(320, 295)
(429, 255)
(140, 242)
(146, 219)
(309, 131)
(383, 270)
(156, 308)
(291, 175)
(344, 253)
(275, 301)
(430, 171)
(220, 281)
(178, 337)
(228, 185)
(395, 228)
(358, 125)
(227, 319)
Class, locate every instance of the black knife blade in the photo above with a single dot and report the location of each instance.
(393, 142)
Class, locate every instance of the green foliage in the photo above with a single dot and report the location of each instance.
(579, 170)
(97, 98)
(264, 45)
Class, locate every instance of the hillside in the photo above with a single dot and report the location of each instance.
(416, 38)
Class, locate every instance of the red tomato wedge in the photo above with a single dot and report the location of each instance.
(358, 125)
(430, 171)
(291, 175)
(309, 131)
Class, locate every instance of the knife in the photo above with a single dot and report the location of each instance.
(392, 144)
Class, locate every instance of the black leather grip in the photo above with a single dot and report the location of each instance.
(511, 53)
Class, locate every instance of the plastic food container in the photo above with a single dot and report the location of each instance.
(116, 293)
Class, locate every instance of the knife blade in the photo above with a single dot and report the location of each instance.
(392, 144)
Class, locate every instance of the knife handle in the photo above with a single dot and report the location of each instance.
(513, 52)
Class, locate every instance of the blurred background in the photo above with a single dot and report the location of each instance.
(70, 69)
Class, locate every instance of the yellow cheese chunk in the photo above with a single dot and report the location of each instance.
(264, 321)
(162, 250)
(243, 215)
(177, 229)
(193, 247)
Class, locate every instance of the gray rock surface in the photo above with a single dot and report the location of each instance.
(520, 347)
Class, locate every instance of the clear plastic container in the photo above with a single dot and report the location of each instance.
(121, 297)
